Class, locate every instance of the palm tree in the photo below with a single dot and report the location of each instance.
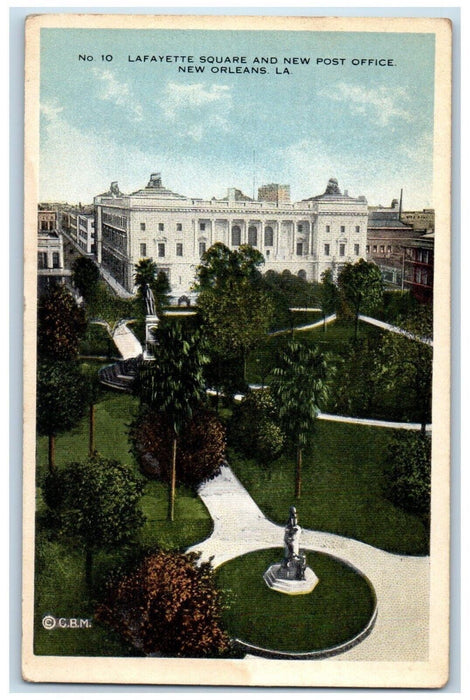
(173, 384)
(144, 273)
(298, 386)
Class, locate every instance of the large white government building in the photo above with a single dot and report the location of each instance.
(305, 238)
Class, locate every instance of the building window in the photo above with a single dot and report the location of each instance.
(179, 249)
(358, 229)
(389, 249)
(252, 236)
(342, 249)
(268, 236)
(302, 274)
(179, 227)
(374, 249)
(342, 229)
(236, 235)
(161, 250)
(202, 248)
(367, 248)
(142, 226)
(143, 250)
(300, 248)
(42, 261)
(356, 249)
(55, 260)
(327, 249)
(328, 229)
(202, 227)
(382, 249)
(299, 228)
(161, 227)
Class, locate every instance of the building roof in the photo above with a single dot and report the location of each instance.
(333, 194)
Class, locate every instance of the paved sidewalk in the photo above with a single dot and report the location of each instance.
(394, 329)
(401, 583)
(125, 341)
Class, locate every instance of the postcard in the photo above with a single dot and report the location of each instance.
(237, 350)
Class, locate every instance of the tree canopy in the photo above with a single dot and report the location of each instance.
(408, 473)
(361, 287)
(95, 505)
(85, 277)
(61, 325)
(221, 266)
(60, 400)
(167, 606)
(299, 386)
(173, 383)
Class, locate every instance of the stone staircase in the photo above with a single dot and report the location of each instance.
(121, 375)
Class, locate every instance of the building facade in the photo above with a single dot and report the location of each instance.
(305, 238)
(50, 251)
(386, 235)
(419, 267)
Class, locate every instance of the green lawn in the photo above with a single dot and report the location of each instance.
(342, 489)
(335, 341)
(60, 584)
(339, 607)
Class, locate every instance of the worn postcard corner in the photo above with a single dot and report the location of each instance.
(237, 365)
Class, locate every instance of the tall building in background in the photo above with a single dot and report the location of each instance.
(278, 194)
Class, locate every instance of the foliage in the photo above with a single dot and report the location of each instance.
(286, 291)
(60, 398)
(200, 455)
(168, 606)
(61, 324)
(408, 476)
(328, 294)
(361, 287)
(237, 319)
(409, 363)
(298, 386)
(85, 277)
(94, 505)
(221, 266)
(145, 272)
(253, 429)
(173, 383)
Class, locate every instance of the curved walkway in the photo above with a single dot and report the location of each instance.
(401, 583)
(125, 341)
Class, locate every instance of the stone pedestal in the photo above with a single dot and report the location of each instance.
(278, 578)
(151, 324)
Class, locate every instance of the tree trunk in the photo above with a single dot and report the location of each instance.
(91, 433)
(324, 323)
(51, 454)
(356, 325)
(172, 485)
(298, 473)
(89, 568)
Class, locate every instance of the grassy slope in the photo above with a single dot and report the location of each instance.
(60, 588)
(342, 489)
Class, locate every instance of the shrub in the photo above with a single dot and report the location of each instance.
(408, 473)
(201, 448)
(167, 606)
(253, 429)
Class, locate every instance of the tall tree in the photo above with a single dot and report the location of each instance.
(299, 386)
(173, 384)
(235, 319)
(148, 276)
(85, 277)
(95, 506)
(328, 295)
(60, 400)
(61, 325)
(361, 287)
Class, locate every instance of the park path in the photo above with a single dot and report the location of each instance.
(394, 329)
(401, 583)
(125, 341)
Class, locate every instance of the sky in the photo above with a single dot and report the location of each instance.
(369, 126)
